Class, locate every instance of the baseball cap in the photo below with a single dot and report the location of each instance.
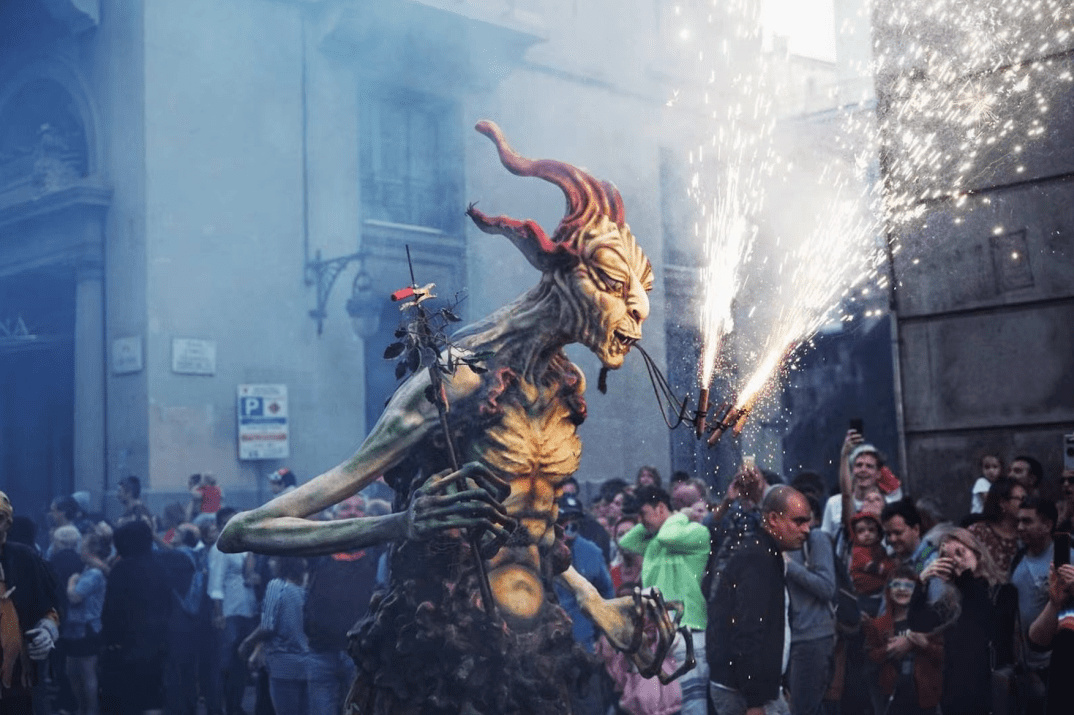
(570, 507)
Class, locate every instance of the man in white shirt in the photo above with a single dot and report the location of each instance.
(234, 614)
(859, 470)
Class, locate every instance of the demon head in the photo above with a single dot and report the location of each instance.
(592, 260)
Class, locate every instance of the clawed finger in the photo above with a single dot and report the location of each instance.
(499, 532)
(470, 495)
(452, 514)
(485, 479)
(440, 482)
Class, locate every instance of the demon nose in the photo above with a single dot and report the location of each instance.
(638, 304)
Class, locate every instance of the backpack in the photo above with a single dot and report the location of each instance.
(190, 601)
(845, 603)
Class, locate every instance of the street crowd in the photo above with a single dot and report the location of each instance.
(865, 601)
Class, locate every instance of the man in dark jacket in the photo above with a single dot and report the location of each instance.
(137, 605)
(746, 642)
(29, 618)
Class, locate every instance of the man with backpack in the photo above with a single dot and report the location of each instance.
(811, 586)
(188, 573)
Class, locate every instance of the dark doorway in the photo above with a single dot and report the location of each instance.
(37, 317)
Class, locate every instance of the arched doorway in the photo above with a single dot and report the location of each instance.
(51, 244)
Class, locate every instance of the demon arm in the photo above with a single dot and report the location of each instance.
(446, 500)
(640, 625)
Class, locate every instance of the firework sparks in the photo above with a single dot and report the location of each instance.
(964, 90)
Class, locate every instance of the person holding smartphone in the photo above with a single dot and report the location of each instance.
(1029, 574)
(860, 466)
(1054, 628)
(977, 615)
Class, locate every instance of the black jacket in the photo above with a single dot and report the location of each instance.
(35, 594)
(746, 621)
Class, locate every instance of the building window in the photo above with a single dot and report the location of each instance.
(411, 160)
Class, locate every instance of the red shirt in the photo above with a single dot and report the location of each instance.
(211, 498)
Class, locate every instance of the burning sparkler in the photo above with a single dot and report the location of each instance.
(960, 84)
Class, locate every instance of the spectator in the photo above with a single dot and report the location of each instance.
(1054, 628)
(747, 617)
(1027, 471)
(902, 530)
(677, 477)
(860, 468)
(137, 603)
(285, 649)
(735, 520)
(648, 477)
(63, 511)
(234, 614)
(129, 493)
(911, 664)
(608, 507)
(29, 616)
(206, 497)
(931, 515)
(1066, 502)
(340, 589)
(187, 577)
(626, 567)
(377, 507)
(811, 585)
(676, 551)
(569, 486)
(282, 481)
(63, 553)
(589, 561)
(978, 615)
(80, 632)
(65, 562)
(589, 527)
(991, 467)
(998, 530)
(870, 565)
(1029, 575)
(811, 485)
(174, 515)
(23, 530)
(692, 498)
(209, 680)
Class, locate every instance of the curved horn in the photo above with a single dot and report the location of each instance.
(585, 195)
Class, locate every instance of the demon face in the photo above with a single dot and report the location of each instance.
(601, 274)
(610, 285)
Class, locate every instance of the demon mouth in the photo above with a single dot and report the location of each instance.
(625, 340)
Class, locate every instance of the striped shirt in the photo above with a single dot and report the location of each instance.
(287, 650)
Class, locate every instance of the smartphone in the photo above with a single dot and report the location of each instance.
(857, 425)
(1061, 552)
(1068, 451)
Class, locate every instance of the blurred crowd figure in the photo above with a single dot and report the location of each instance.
(150, 617)
(882, 605)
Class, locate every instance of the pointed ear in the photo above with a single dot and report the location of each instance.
(528, 237)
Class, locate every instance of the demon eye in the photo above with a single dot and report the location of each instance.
(613, 285)
(605, 282)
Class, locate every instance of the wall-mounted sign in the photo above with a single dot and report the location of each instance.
(126, 355)
(193, 357)
(263, 426)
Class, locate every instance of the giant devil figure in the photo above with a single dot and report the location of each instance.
(428, 645)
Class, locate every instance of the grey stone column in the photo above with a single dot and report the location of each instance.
(90, 417)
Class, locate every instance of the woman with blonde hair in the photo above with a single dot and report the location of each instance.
(977, 612)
